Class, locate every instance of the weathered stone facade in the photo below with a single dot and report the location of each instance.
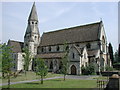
(85, 44)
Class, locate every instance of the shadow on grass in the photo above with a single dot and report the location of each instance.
(56, 80)
(32, 83)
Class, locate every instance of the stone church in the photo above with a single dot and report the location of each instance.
(86, 44)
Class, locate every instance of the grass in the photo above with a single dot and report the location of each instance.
(30, 76)
(58, 83)
(101, 78)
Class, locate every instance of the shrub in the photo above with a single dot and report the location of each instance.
(88, 70)
(108, 68)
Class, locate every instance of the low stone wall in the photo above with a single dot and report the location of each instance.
(109, 73)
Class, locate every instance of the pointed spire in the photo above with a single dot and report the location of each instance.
(33, 13)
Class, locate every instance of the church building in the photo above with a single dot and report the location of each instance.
(86, 44)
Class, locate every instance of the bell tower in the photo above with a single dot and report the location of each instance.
(32, 35)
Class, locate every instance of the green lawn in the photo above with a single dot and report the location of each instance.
(58, 83)
(30, 76)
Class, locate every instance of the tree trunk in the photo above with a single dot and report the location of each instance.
(64, 77)
(3, 75)
(8, 80)
(41, 79)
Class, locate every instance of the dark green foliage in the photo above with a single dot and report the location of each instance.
(7, 62)
(0, 58)
(108, 68)
(119, 51)
(41, 68)
(27, 59)
(88, 70)
(117, 58)
(110, 50)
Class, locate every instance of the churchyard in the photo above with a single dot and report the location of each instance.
(82, 81)
(70, 82)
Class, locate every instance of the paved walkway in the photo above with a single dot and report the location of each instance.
(68, 77)
(28, 81)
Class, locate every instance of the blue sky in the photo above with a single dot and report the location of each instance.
(59, 15)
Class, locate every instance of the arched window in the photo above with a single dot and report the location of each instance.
(60, 65)
(51, 65)
(42, 49)
(103, 44)
(67, 47)
(73, 55)
(49, 48)
(88, 45)
(57, 48)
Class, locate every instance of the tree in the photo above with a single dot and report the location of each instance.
(41, 68)
(117, 58)
(64, 67)
(119, 51)
(27, 59)
(0, 57)
(7, 61)
(110, 50)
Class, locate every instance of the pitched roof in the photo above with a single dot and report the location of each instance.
(51, 55)
(33, 13)
(16, 46)
(82, 33)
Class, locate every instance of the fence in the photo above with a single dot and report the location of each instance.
(101, 84)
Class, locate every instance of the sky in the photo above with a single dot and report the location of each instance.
(58, 15)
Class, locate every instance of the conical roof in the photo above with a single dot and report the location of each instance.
(33, 13)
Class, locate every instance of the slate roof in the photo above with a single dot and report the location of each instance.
(33, 13)
(16, 46)
(58, 55)
(89, 32)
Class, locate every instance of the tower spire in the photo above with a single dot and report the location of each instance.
(33, 14)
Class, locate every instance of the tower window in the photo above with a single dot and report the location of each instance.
(32, 22)
(36, 23)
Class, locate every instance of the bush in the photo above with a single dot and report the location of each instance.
(89, 70)
(108, 68)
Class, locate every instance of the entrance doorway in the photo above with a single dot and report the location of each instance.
(73, 70)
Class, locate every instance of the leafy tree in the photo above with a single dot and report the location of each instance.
(110, 50)
(41, 68)
(117, 58)
(7, 61)
(64, 68)
(0, 57)
(119, 51)
(27, 59)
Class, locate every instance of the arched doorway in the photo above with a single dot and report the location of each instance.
(73, 70)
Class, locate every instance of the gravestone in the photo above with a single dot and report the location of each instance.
(114, 83)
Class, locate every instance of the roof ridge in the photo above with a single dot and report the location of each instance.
(72, 27)
(15, 41)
